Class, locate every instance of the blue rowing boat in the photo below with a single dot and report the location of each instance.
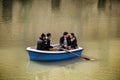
(41, 55)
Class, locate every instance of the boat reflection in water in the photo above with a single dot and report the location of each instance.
(44, 66)
(39, 68)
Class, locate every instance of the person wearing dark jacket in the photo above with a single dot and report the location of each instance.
(41, 43)
(64, 41)
(73, 41)
(48, 41)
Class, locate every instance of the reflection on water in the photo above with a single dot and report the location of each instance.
(55, 4)
(7, 9)
(101, 3)
(44, 66)
(25, 9)
(96, 24)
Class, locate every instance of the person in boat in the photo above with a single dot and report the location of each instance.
(42, 43)
(49, 47)
(73, 41)
(65, 41)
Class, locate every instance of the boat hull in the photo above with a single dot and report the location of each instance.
(53, 55)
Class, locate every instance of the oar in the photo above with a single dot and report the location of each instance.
(76, 54)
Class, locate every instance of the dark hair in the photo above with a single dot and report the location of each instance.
(65, 33)
(72, 34)
(48, 34)
(43, 35)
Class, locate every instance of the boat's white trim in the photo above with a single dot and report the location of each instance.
(40, 51)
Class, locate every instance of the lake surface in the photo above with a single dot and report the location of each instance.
(96, 24)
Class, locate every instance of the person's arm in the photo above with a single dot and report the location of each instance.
(40, 45)
(75, 43)
(61, 41)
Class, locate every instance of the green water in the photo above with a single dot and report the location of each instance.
(96, 24)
